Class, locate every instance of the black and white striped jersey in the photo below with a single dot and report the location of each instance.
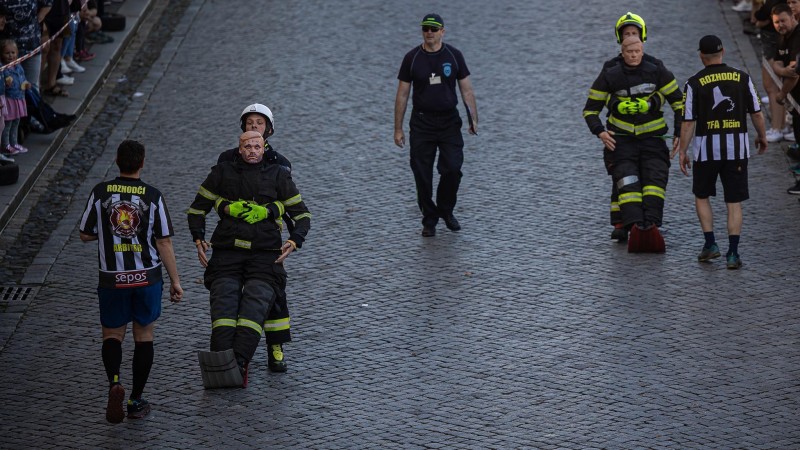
(127, 216)
(719, 98)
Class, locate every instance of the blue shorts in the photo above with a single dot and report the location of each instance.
(120, 306)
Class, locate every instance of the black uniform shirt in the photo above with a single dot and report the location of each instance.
(433, 77)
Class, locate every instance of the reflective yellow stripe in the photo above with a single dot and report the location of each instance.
(671, 87)
(276, 325)
(293, 201)
(630, 197)
(677, 106)
(223, 323)
(614, 206)
(207, 194)
(196, 211)
(654, 191)
(249, 324)
(301, 216)
(625, 126)
(598, 95)
(241, 243)
(590, 113)
(281, 209)
(651, 126)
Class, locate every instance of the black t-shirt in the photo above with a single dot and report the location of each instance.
(788, 50)
(433, 77)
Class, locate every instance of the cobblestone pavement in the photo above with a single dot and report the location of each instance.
(528, 329)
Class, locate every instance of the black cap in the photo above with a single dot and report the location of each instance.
(710, 44)
(432, 20)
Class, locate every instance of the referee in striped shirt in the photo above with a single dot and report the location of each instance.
(717, 102)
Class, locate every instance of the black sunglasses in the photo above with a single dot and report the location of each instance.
(432, 29)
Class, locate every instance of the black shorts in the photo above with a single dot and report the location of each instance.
(732, 173)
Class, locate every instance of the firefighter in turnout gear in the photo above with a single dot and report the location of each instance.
(245, 272)
(633, 91)
(629, 24)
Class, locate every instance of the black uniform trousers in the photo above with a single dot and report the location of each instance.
(244, 286)
(641, 171)
(615, 216)
(429, 131)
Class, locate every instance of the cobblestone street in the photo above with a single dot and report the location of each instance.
(527, 329)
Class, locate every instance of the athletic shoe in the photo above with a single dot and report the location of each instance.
(83, 55)
(138, 409)
(10, 150)
(743, 6)
(275, 358)
(708, 253)
(734, 262)
(114, 411)
(65, 81)
(5, 158)
(77, 68)
(794, 190)
(20, 148)
(765, 100)
(795, 168)
(65, 69)
(787, 136)
(774, 135)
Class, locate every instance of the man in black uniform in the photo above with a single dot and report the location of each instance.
(246, 271)
(258, 117)
(633, 91)
(718, 99)
(433, 68)
(131, 249)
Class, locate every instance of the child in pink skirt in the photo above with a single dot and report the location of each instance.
(14, 108)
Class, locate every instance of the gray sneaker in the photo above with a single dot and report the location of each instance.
(708, 253)
(5, 158)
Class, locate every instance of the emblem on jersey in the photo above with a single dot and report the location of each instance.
(447, 69)
(719, 98)
(125, 219)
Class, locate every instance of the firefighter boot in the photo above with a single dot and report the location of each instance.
(635, 239)
(275, 358)
(619, 234)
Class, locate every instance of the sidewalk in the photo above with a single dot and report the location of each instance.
(42, 147)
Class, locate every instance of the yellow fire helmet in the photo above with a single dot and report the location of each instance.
(630, 18)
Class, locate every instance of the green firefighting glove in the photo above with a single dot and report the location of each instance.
(643, 105)
(237, 209)
(257, 213)
(628, 107)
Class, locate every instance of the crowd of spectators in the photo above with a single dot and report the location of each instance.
(776, 25)
(53, 38)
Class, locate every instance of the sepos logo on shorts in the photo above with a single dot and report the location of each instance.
(131, 279)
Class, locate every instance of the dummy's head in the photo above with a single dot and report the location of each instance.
(251, 147)
(632, 51)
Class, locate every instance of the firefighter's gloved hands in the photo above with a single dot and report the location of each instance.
(628, 107)
(237, 209)
(257, 213)
(642, 105)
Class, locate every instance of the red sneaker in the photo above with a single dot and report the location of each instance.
(83, 56)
